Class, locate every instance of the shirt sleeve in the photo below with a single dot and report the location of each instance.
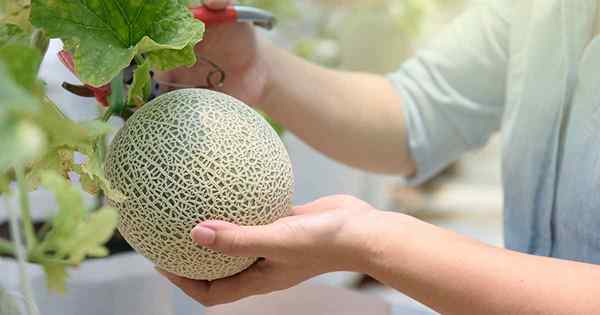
(453, 90)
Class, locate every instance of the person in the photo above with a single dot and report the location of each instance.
(528, 68)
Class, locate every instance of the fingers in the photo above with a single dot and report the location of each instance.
(218, 4)
(256, 280)
(246, 241)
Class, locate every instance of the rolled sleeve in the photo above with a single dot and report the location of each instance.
(453, 91)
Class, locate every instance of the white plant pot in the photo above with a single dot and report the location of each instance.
(125, 284)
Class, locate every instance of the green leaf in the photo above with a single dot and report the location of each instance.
(8, 303)
(13, 34)
(170, 59)
(66, 137)
(63, 131)
(95, 129)
(16, 12)
(141, 82)
(71, 211)
(90, 235)
(93, 169)
(58, 159)
(98, 252)
(20, 141)
(56, 277)
(22, 63)
(13, 98)
(106, 35)
(74, 234)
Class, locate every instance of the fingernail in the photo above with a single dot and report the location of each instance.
(203, 236)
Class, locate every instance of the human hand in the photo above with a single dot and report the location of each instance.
(235, 48)
(330, 234)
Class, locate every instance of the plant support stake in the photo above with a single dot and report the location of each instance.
(20, 255)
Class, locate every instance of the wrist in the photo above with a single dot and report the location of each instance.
(386, 237)
(363, 240)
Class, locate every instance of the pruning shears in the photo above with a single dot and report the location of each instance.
(215, 78)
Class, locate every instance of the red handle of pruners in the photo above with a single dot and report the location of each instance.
(212, 17)
(234, 13)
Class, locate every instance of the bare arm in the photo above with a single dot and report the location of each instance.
(456, 275)
(448, 272)
(355, 118)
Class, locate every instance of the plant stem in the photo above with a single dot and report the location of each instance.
(30, 238)
(99, 202)
(6, 248)
(139, 59)
(107, 114)
(41, 259)
(116, 100)
(20, 255)
(40, 40)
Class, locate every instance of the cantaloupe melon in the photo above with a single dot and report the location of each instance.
(189, 156)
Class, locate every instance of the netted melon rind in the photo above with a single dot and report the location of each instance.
(189, 156)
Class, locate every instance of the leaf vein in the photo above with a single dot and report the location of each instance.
(126, 18)
(137, 17)
(110, 27)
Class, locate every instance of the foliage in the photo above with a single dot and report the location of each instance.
(105, 36)
(39, 142)
(73, 233)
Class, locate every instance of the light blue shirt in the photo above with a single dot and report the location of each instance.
(530, 69)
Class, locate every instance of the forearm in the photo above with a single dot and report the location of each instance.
(456, 275)
(354, 118)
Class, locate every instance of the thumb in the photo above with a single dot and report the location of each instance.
(235, 240)
(218, 4)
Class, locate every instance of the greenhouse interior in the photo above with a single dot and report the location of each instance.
(292, 157)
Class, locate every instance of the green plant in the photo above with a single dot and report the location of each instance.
(39, 142)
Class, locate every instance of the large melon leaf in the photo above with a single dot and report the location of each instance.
(16, 12)
(104, 36)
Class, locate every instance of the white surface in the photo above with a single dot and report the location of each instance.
(120, 285)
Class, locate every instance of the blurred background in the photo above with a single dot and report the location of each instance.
(374, 36)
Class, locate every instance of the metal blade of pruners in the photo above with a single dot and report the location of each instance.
(236, 13)
(216, 77)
